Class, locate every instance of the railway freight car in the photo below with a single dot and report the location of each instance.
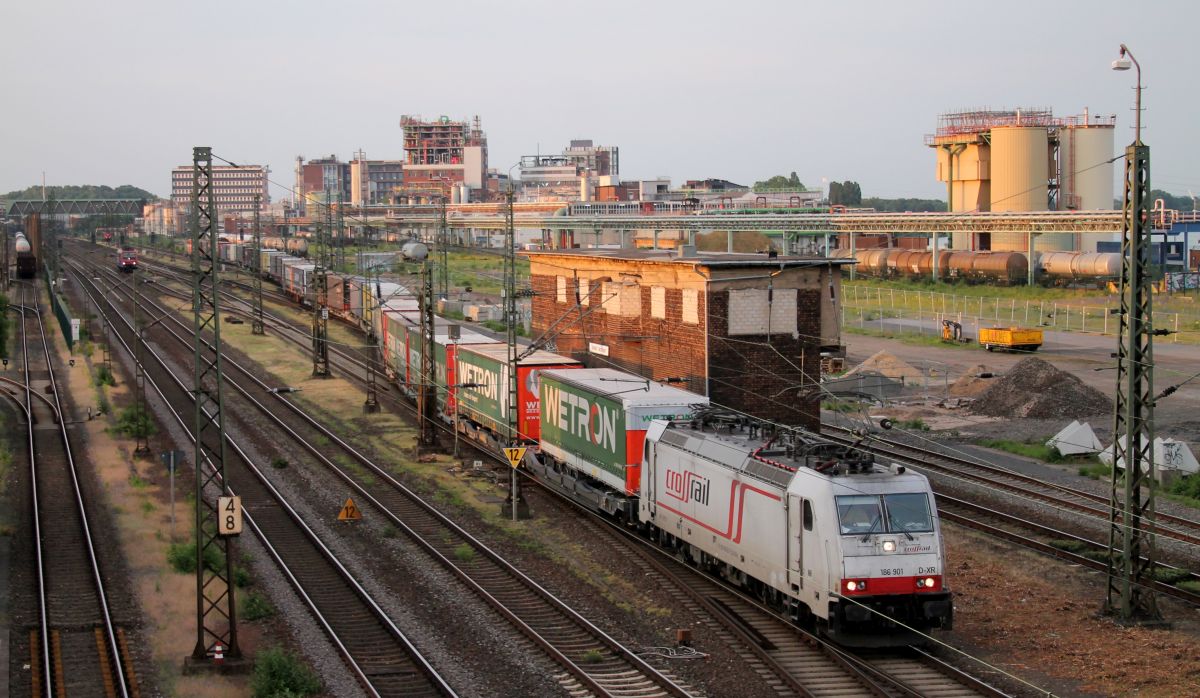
(593, 424)
(483, 370)
(813, 531)
(26, 259)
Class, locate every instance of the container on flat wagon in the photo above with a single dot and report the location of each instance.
(443, 347)
(486, 365)
(595, 419)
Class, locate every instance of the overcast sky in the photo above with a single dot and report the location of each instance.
(118, 92)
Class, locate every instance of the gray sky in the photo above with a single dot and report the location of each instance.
(118, 92)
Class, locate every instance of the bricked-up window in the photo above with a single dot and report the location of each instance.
(631, 300)
(750, 313)
(658, 302)
(583, 292)
(691, 306)
(562, 289)
(611, 293)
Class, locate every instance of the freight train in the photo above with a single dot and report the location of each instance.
(818, 530)
(26, 259)
(1005, 268)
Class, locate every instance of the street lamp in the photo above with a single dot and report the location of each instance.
(1122, 63)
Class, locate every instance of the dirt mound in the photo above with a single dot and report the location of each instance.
(1034, 388)
(972, 383)
(888, 365)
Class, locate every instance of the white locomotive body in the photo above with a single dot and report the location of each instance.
(849, 542)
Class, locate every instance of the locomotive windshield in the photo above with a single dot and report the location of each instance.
(862, 514)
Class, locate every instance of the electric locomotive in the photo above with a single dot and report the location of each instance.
(127, 259)
(813, 528)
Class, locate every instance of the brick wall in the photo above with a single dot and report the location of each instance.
(774, 380)
(651, 347)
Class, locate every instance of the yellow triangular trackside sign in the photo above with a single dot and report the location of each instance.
(515, 456)
(349, 511)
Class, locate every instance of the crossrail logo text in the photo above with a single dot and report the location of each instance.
(687, 486)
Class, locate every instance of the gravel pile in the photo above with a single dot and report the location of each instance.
(972, 383)
(889, 365)
(1034, 388)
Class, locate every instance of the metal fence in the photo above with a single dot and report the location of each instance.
(922, 312)
(68, 324)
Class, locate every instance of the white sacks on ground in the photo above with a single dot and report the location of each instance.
(1169, 454)
(1076, 439)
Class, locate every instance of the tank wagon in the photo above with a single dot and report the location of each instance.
(1005, 268)
(26, 259)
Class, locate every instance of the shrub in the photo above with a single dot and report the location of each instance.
(182, 558)
(256, 607)
(1186, 486)
(592, 657)
(279, 463)
(241, 577)
(104, 376)
(277, 673)
(135, 423)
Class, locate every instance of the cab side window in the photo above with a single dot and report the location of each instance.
(808, 515)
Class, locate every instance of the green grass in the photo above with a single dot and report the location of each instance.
(464, 553)
(913, 424)
(913, 338)
(1096, 471)
(279, 674)
(1020, 293)
(1080, 548)
(592, 657)
(842, 406)
(1030, 448)
(137, 482)
(279, 463)
(1186, 490)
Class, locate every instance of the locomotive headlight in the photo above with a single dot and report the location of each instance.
(929, 582)
(889, 546)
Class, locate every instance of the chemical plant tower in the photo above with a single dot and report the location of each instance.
(1024, 160)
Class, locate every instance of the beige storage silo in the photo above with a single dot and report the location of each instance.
(1086, 170)
(1020, 179)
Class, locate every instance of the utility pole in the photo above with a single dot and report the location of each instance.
(256, 322)
(216, 616)
(142, 445)
(1131, 514)
(427, 391)
(4, 278)
(320, 349)
(443, 243)
(341, 235)
(515, 502)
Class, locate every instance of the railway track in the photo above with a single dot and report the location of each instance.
(76, 647)
(1004, 480)
(794, 661)
(382, 658)
(595, 661)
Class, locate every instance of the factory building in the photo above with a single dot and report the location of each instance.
(746, 330)
(375, 181)
(1023, 160)
(443, 158)
(234, 188)
(319, 179)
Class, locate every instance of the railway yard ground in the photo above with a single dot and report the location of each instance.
(1030, 622)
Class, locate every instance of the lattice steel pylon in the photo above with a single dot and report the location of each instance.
(320, 293)
(216, 617)
(1131, 514)
(427, 391)
(511, 320)
(443, 244)
(256, 317)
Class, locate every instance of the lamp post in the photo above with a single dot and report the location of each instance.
(1131, 504)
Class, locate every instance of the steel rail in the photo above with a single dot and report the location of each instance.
(101, 592)
(419, 659)
(548, 646)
